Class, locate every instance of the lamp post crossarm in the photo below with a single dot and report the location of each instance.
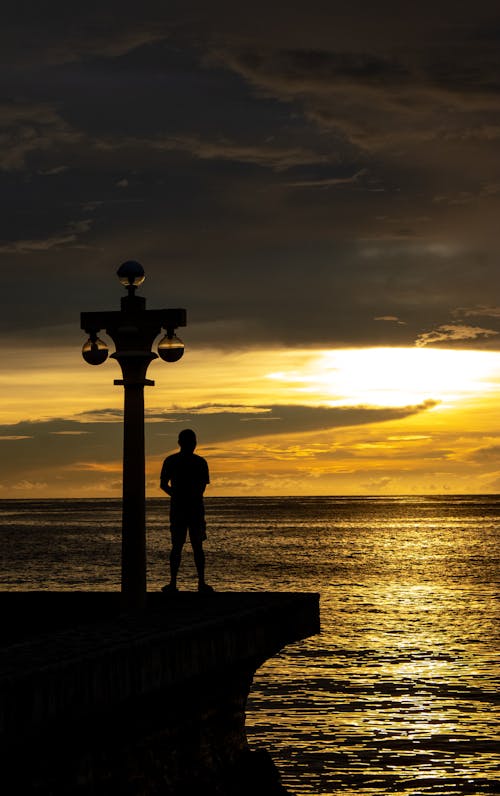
(113, 319)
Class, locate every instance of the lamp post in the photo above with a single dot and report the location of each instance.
(133, 330)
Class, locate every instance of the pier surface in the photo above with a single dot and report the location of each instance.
(94, 701)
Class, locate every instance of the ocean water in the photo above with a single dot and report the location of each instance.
(399, 693)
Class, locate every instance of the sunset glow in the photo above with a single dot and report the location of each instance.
(393, 376)
(274, 421)
(319, 190)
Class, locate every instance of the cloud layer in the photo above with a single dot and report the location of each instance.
(317, 178)
(335, 167)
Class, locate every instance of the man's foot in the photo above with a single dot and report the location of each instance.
(205, 588)
(170, 588)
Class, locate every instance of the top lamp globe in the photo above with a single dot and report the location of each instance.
(131, 274)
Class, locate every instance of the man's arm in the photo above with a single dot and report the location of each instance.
(206, 476)
(164, 479)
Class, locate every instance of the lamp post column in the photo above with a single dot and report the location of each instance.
(133, 571)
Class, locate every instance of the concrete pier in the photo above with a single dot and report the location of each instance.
(93, 701)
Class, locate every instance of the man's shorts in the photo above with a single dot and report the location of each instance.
(182, 521)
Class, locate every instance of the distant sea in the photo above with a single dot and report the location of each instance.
(399, 693)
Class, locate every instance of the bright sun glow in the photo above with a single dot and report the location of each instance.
(425, 421)
(393, 376)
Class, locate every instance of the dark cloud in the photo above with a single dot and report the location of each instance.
(265, 155)
(32, 448)
(67, 237)
(486, 455)
(28, 127)
(59, 33)
(285, 176)
(223, 425)
(376, 101)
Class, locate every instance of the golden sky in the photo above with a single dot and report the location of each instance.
(320, 189)
(364, 421)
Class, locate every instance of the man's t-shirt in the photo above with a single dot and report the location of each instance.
(187, 474)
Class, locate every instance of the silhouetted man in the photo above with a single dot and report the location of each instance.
(184, 476)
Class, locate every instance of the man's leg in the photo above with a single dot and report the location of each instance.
(175, 562)
(178, 535)
(199, 560)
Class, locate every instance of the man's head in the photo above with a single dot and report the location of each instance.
(187, 440)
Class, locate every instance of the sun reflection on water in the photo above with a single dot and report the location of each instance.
(399, 693)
